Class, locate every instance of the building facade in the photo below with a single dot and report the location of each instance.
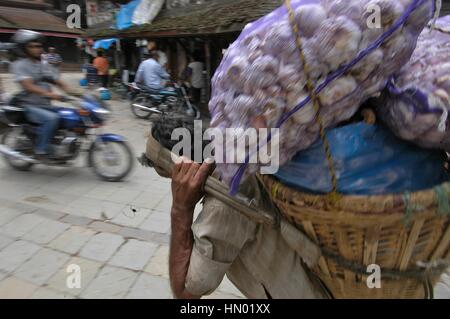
(187, 26)
(46, 16)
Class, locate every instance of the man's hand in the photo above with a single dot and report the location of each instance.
(29, 86)
(76, 93)
(54, 96)
(188, 180)
(63, 86)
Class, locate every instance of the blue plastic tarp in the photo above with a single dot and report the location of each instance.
(368, 160)
(104, 44)
(125, 16)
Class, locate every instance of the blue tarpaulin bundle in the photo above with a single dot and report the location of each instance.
(104, 44)
(368, 160)
(125, 16)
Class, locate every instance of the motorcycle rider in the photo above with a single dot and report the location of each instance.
(151, 74)
(34, 78)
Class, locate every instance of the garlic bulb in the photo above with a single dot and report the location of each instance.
(390, 11)
(237, 70)
(364, 69)
(309, 17)
(338, 90)
(337, 41)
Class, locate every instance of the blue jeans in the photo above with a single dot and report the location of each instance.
(48, 122)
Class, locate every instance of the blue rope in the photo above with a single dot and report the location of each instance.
(442, 200)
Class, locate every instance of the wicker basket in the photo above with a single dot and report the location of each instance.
(393, 231)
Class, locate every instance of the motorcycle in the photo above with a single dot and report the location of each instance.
(173, 98)
(108, 154)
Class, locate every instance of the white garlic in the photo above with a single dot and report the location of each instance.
(364, 68)
(337, 41)
(337, 90)
(309, 17)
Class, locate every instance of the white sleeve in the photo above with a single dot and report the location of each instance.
(162, 58)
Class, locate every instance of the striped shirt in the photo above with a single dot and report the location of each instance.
(53, 58)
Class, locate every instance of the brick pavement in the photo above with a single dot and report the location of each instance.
(51, 218)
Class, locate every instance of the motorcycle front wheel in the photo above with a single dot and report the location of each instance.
(112, 161)
(138, 112)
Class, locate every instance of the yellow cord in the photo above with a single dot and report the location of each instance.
(275, 190)
(334, 196)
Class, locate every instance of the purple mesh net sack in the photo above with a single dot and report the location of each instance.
(261, 79)
(416, 103)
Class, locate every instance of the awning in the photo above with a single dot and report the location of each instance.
(47, 34)
(215, 18)
(17, 18)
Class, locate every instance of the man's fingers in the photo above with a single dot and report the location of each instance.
(193, 170)
(177, 168)
(205, 170)
(185, 166)
(180, 166)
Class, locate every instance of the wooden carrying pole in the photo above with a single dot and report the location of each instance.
(298, 241)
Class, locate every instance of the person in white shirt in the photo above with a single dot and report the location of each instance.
(195, 77)
(151, 73)
(162, 57)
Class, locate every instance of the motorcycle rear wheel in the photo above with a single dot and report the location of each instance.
(139, 113)
(14, 163)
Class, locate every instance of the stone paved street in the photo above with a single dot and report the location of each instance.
(51, 218)
(117, 233)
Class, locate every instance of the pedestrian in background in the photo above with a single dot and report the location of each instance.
(91, 73)
(195, 77)
(151, 74)
(101, 63)
(54, 60)
(161, 56)
(2, 92)
(44, 57)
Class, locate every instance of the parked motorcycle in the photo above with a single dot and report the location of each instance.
(173, 98)
(108, 154)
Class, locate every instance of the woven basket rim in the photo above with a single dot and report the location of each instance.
(356, 204)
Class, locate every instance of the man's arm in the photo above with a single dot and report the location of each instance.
(55, 64)
(189, 73)
(188, 179)
(29, 86)
(139, 74)
(181, 243)
(163, 73)
(63, 86)
(22, 76)
(59, 60)
(68, 90)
